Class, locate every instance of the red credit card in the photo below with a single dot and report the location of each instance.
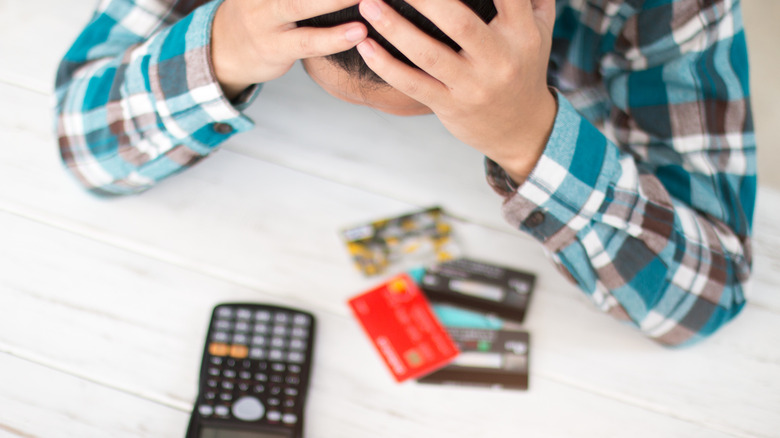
(402, 326)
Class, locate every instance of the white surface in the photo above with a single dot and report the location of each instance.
(103, 304)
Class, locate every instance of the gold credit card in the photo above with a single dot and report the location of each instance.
(417, 238)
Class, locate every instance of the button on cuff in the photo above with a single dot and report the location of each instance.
(222, 128)
(534, 219)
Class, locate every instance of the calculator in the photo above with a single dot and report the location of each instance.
(255, 373)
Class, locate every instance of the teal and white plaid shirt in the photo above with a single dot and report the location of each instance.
(643, 197)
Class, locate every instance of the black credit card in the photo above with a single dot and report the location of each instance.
(492, 358)
(481, 287)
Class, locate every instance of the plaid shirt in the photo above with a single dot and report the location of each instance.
(643, 197)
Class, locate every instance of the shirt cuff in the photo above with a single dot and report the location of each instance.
(567, 186)
(188, 97)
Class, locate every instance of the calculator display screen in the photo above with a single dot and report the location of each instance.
(210, 432)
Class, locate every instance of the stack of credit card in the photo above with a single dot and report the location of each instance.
(481, 306)
(456, 323)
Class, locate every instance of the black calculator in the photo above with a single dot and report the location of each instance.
(255, 373)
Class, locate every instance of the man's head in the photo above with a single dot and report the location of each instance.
(346, 76)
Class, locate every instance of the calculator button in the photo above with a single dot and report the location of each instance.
(294, 368)
(262, 315)
(297, 344)
(292, 392)
(222, 411)
(280, 330)
(220, 336)
(239, 351)
(289, 403)
(275, 355)
(277, 342)
(206, 410)
(295, 356)
(257, 353)
(259, 389)
(258, 341)
(293, 380)
(245, 375)
(225, 396)
(225, 312)
(230, 374)
(301, 320)
(261, 329)
(299, 332)
(244, 314)
(214, 371)
(281, 318)
(248, 408)
(278, 367)
(273, 402)
(239, 338)
(211, 383)
(289, 418)
(243, 387)
(223, 324)
(227, 385)
(242, 326)
(261, 377)
(218, 349)
(274, 416)
(210, 395)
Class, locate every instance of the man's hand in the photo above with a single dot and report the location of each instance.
(256, 41)
(493, 94)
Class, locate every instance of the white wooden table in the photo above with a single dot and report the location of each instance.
(104, 304)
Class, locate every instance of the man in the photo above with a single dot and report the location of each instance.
(650, 216)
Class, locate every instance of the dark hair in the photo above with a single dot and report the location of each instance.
(353, 63)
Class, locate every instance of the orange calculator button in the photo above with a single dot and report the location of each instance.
(218, 349)
(239, 351)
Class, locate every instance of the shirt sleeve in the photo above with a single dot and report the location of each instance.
(653, 221)
(136, 96)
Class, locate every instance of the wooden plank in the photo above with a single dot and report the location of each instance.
(42, 402)
(105, 317)
(35, 35)
(59, 404)
(573, 344)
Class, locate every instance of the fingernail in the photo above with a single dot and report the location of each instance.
(365, 49)
(370, 10)
(354, 34)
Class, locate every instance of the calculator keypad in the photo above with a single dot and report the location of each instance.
(254, 364)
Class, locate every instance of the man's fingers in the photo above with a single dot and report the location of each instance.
(457, 21)
(432, 56)
(413, 82)
(290, 11)
(309, 42)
